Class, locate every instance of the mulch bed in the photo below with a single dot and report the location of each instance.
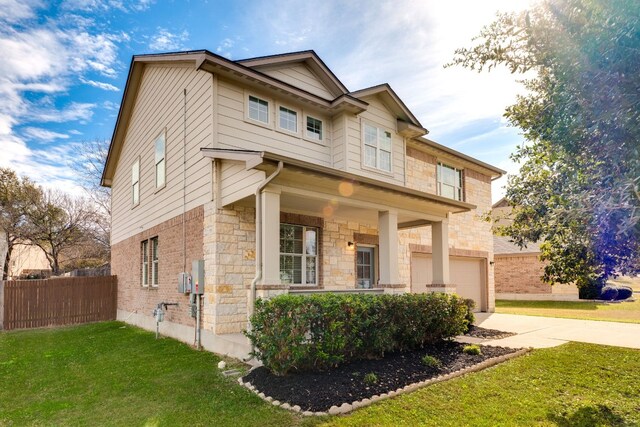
(478, 332)
(319, 391)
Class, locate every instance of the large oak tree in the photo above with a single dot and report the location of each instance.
(578, 189)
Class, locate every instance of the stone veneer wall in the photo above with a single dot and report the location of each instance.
(126, 261)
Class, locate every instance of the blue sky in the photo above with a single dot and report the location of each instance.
(64, 65)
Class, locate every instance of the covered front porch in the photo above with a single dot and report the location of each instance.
(319, 229)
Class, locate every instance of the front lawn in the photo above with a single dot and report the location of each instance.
(628, 312)
(571, 385)
(115, 374)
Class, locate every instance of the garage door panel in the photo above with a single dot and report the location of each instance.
(468, 274)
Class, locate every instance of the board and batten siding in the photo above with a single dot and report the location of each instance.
(299, 75)
(377, 115)
(159, 106)
(235, 132)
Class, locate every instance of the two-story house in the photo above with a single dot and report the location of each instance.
(282, 180)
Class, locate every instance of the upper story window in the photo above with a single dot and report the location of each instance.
(288, 120)
(314, 128)
(160, 154)
(258, 109)
(449, 182)
(298, 254)
(377, 148)
(135, 183)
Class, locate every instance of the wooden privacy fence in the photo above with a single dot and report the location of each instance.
(57, 301)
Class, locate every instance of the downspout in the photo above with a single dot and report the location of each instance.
(258, 276)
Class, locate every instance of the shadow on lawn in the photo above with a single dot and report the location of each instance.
(591, 415)
(552, 305)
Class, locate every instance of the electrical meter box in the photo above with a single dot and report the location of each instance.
(184, 283)
(197, 277)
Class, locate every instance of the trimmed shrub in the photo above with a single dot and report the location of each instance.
(472, 349)
(295, 332)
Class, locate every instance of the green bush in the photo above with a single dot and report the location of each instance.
(294, 332)
(431, 362)
(371, 378)
(472, 349)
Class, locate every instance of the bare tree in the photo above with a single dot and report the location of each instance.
(88, 166)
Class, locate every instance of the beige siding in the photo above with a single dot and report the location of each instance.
(301, 76)
(237, 182)
(235, 132)
(338, 141)
(377, 115)
(158, 106)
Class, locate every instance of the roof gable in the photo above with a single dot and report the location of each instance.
(302, 69)
(393, 103)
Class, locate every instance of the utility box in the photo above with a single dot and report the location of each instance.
(197, 277)
(184, 283)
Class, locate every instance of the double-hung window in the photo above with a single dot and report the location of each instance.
(288, 120)
(298, 254)
(160, 154)
(149, 262)
(258, 109)
(314, 128)
(450, 182)
(145, 262)
(377, 148)
(135, 183)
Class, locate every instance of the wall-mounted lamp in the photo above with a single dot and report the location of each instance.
(350, 245)
(491, 262)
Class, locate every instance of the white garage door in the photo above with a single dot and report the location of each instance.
(468, 274)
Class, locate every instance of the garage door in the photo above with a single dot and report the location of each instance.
(468, 274)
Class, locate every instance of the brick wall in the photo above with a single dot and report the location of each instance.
(126, 264)
(519, 274)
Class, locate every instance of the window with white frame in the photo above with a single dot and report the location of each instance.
(314, 128)
(135, 183)
(144, 252)
(377, 148)
(288, 119)
(298, 254)
(258, 109)
(450, 182)
(154, 261)
(160, 161)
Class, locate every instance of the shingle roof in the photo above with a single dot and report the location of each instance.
(503, 245)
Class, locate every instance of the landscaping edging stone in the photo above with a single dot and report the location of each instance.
(347, 407)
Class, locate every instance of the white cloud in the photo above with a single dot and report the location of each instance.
(43, 135)
(165, 40)
(99, 85)
(104, 5)
(74, 111)
(224, 48)
(17, 10)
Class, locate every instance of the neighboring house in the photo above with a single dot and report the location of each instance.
(25, 260)
(350, 194)
(3, 251)
(518, 271)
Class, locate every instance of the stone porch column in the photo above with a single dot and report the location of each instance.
(388, 243)
(440, 241)
(270, 236)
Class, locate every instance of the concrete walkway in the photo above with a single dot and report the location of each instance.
(542, 332)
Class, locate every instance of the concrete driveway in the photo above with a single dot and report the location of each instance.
(542, 332)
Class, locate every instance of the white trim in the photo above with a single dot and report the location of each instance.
(438, 182)
(364, 166)
(323, 139)
(303, 256)
(162, 135)
(135, 167)
(298, 120)
(270, 110)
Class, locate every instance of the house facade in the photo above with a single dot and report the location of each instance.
(282, 181)
(518, 271)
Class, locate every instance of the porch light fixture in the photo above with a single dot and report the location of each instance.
(350, 245)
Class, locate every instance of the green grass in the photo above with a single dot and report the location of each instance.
(109, 374)
(571, 385)
(628, 312)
